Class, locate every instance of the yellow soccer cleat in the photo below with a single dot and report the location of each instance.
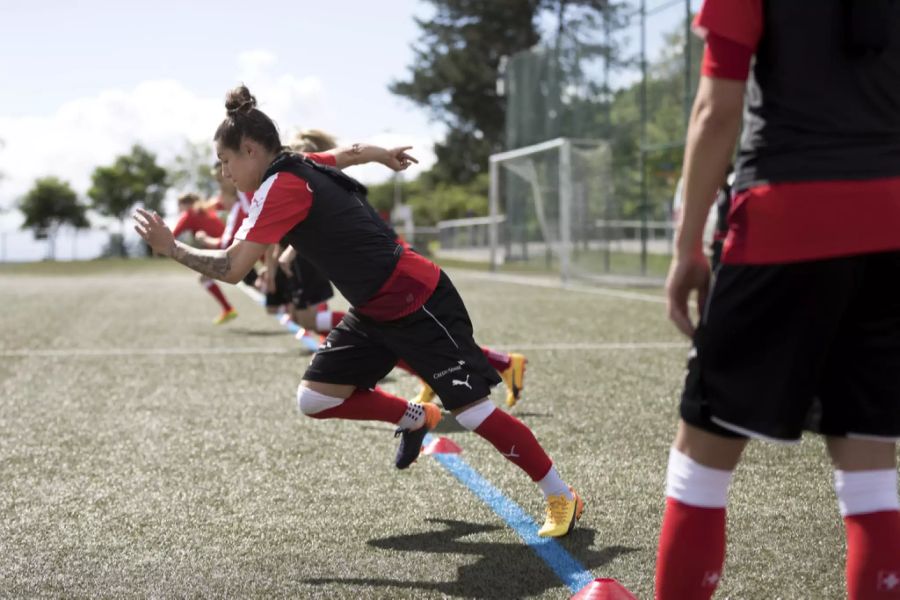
(227, 315)
(514, 378)
(561, 515)
(426, 395)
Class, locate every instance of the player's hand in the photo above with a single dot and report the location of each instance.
(687, 274)
(398, 159)
(153, 230)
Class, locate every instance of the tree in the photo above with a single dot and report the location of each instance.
(132, 179)
(50, 204)
(454, 74)
(192, 170)
(458, 61)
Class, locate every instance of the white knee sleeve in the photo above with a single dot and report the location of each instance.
(692, 483)
(474, 416)
(310, 402)
(861, 492)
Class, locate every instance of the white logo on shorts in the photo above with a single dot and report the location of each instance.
(512, 453)
(456, 382)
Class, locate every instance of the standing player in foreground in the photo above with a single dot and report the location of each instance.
(403, 306)
(806, 305)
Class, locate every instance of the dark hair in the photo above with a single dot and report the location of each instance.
(245, 120)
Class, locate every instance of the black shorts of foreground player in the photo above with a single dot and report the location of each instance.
(402, 305)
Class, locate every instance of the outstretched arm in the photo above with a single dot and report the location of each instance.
(229, 265)
(396, 159)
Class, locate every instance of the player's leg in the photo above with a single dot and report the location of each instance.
(691, 551)
(511, 366)
(865, 480)
(215, 291)
(438, 344)
(861, 416)
(340, 382)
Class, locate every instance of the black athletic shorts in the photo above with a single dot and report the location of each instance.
(250, 277)
(779, 343)
(305, 287)
(436, 341)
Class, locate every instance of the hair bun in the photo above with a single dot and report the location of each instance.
(239, 100)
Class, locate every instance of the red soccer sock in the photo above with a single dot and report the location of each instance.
(216, 292)
(691, 552)
(499, 360)
(516, 442)
(873, 555)
(367, 405)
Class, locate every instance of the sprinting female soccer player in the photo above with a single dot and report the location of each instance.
(315, 288)
(203, 223)
(403, 306)
(805, 305)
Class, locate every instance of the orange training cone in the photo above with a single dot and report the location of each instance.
(604, 589)
(442, 445)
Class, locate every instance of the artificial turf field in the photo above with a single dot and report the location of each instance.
(146, 453)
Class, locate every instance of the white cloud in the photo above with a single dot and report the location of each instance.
(88, 132)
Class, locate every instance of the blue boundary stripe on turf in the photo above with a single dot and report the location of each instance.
(566, 567)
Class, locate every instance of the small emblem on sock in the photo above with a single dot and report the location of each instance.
(888, 581)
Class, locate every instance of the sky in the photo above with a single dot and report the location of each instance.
(83, 80)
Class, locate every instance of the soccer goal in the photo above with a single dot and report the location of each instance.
(557, 198)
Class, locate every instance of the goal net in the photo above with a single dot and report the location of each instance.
(558, 209)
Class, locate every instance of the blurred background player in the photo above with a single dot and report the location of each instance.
(804, 307)
(235, 204)
(202, 222)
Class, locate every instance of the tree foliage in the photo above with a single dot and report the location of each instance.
(132, 179)
(191, 170)
(457, 64)
(50, 204)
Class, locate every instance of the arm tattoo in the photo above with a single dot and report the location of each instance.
(214, 263)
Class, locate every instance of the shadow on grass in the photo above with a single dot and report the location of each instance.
(245, 331)
(500, 570)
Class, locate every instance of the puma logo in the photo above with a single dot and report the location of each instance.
(456, 382)
(512, 453)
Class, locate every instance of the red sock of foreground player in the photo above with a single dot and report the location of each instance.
(367, 405)
(216, 292)
(498, 360)
(691, 552)
(516, 442)
(873, 555)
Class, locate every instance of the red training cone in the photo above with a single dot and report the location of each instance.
(442, 445)
(604, 589)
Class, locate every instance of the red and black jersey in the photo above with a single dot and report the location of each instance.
(236, 216)
(199, 220)
(818, 172)
(325, 216)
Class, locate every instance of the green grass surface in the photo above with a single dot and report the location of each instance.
(145, 452)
